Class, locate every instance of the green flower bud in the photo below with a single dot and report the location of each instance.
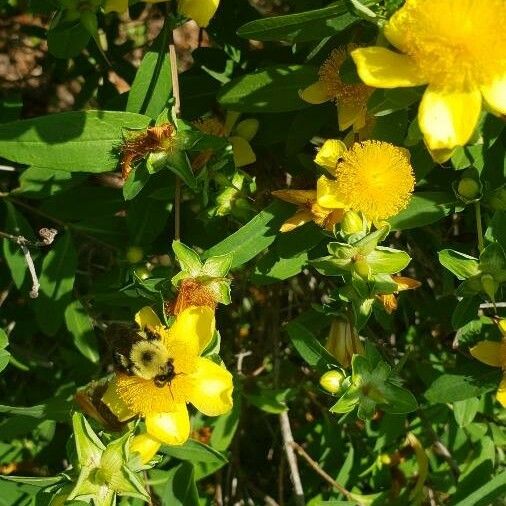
(142, 272)
(331, 381)
(361, 267)
(352, 223)
(469, 188)
(134, 254)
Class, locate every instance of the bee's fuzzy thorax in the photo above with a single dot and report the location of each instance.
(149, 359)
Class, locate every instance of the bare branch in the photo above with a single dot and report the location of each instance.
(286, 432)
(314, 465)
(47, 235)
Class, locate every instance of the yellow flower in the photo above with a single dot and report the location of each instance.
(458, 48)
(196, 380)
(121, 6)
(308, 210)
(389, 300)
(494, 353)
(239, 135)
(343, 341)
(351, 99)
(372, 177)
(201, 11)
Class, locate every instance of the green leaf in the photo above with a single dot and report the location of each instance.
(465, 411)
(217, 266)
(34, 480)
(188, 259)
(303, 26)
(4, 354)
(387, 260)
(254, 237)
(152, 85)
(80, 326)
(465, 311)
(399, 399)
(67, 39)
(39, 182)
(195, 451)
(308, 346)
(80, 141)
(486, 494)
(460, 264)
(180, 489)
(492, 259)
(225, 427)
(423, 209)
(273, 89)
(288, 255)
(270, 400)
(16, 224)
(56, 284)
(146, 219)
(55, 409)
(458, 387)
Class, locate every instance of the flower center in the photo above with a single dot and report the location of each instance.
(375, 178)
(329, 74)
(455, 43)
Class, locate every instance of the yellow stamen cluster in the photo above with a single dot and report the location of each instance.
(211, 126)
(329, 75)
(375, 178)
(454, 43)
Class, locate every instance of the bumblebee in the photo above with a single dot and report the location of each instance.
(143, 354)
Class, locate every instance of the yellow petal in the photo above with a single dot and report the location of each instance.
(195, 327)
(146, 317)
(315, 93)
(395, 32)
(243, 153)
(297, 220)
(211, 388)
(299, 197)
(501, 392)
(448, 119)
(382, 68)
(488, 352)
(115, 403)
(495, 95)
(146, 446)
(115, 6)
(247, 128)
(405, 283)
(328, 194)
(329, 154)
(201, 11)
(172, 428)
(350, 113)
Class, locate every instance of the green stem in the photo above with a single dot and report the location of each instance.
(479, 228)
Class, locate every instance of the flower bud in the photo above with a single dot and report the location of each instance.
(343, 341)
(329, 154)
(352, 223)
(361, 267)
(134, 254)
(468, 188)
(331, 381)
(146, 446)
(142, 272)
